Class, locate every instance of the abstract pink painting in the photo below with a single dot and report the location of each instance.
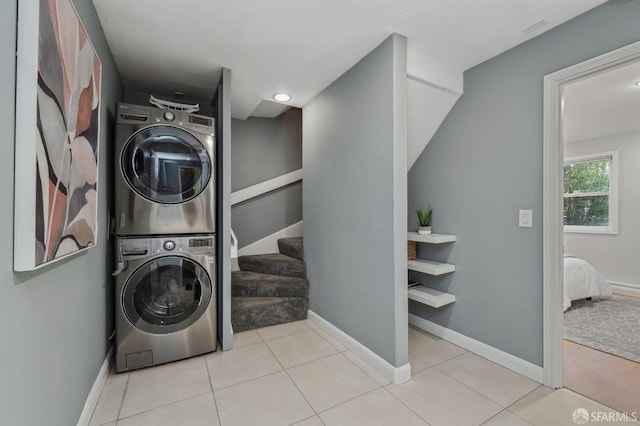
(61, 211)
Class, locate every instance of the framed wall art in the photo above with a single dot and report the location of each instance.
(58, 101)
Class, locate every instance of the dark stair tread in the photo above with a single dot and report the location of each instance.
(256, 284)
(293, 247)
(254, 312)
(273, 264)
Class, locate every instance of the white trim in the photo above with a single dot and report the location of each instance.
(25, 136)
(552, 196)
(502, 358)
(269, 244)
(267, 186)
(96, 390)
(625, 289)
(397, 375)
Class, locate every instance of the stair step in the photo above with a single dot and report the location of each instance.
(254, 312)
(273, 264)
(248, 283)
(292, 247)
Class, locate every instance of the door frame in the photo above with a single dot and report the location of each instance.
(553, 162)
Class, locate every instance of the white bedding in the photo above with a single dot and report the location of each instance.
(581, 280)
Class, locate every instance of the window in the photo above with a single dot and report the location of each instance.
(591, 193)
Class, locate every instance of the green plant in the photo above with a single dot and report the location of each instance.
(424, 216)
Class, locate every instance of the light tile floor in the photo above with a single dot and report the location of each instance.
(295, 374)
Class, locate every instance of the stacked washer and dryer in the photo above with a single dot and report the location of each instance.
(165, 236)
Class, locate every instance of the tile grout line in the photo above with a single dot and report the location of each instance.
(286, 335)
(456, 380)
(306, 362)
(363, 370)
(162, 406)
(172, 402)
(317, 413)
(124, 394)
(348, 400)
(331, 344)
(441, 362)
(305, 419)
(274, 372)
(294, 383)
(403, 403)
(477, 391)
(213, 395)
(252, 378)
(508, 411)
(520, 399)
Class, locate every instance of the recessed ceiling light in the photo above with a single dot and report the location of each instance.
(637, 83)
(282, 97)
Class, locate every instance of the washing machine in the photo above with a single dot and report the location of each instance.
(164, 182)
(165, 299)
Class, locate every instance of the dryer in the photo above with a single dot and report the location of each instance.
(165, 299)
(164, 182)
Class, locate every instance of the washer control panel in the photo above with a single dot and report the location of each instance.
(193, 244)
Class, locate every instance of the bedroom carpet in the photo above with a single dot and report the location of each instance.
(609, 325)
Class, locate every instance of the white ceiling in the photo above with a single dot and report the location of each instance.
(603, 105)
(301, 46)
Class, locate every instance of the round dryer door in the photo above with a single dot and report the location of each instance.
(165, 164)
(166, 295)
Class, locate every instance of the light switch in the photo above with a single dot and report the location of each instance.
(525, 219)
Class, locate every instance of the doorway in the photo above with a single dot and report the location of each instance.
(601, 139)
(553, 263)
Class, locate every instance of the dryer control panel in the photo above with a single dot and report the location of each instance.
(137, 247)
(139, 114)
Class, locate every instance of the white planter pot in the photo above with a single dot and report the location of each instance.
(424, 230)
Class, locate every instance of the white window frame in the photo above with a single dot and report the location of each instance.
(613, 193)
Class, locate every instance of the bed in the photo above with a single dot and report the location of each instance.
(581, 280)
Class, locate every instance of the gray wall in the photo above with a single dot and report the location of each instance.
(354, 158)
(485, 163)
(261, 149)
(54, 323)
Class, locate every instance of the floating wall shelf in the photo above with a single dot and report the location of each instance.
(426, 295)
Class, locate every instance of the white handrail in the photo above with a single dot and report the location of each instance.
(234, 245)
(266, 186)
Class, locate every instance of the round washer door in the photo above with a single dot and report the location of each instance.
(165, 164)
(166, 294)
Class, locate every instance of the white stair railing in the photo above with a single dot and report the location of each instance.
(234, 252)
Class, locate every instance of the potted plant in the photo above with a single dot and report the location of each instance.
(424, 220)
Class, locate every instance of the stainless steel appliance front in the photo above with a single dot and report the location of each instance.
(165, 299)
(166, 166)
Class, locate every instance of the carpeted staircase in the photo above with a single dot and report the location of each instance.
(270, 288)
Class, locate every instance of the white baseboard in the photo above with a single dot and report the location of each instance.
(269, 244)
(502, 358)
(396, 375)
(625, 289)
(96, 390)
